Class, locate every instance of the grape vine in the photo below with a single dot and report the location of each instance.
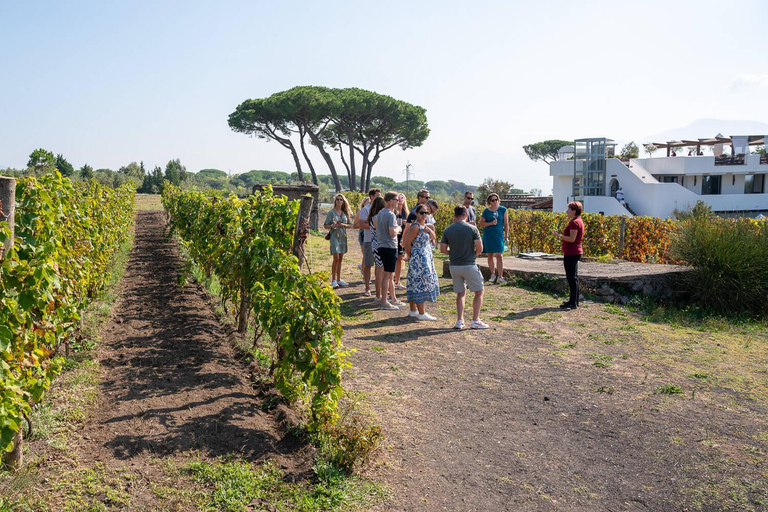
(66, 238)
(246, 244)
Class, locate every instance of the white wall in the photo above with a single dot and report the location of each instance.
(646, 196)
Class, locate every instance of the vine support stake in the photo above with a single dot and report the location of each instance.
(7, 209)
(302, 224)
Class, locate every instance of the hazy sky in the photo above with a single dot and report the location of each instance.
(108, 83)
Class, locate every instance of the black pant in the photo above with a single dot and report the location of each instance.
(571, 264)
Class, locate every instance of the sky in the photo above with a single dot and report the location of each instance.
(108, 83)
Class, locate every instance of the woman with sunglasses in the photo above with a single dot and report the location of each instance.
(495, 224)
(337, 222)
(401, 213)
(422, 285)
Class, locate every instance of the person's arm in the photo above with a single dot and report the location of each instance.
(506, 225)
(570, 238)
(391, 224)
(444, 248)
(478, 247)
(408, 239)
(485, 223)
(361, 222)
(328, 222)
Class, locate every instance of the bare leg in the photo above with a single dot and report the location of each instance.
(398, 268)
(367, 278)
(420, 307)
(338, 267)
(381, 296)
(412, 305)
(392, 287)
(499, 265)
(460, 305)
(387, 283)
(490, 264)
(477, 303)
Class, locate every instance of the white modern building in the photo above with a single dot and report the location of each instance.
(732, 181)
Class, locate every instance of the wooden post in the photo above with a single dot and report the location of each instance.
(242, 317)
(622, 232)
(8, 209)
(14, 458)
(302, 227)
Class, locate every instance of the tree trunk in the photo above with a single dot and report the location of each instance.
(352, 171)
(328, 160)
(296, 160)
(306, 158)
(15, 458)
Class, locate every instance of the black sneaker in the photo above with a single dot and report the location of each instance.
(568, 305)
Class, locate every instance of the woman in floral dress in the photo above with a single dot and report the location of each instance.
(337, 222)
(422, 285)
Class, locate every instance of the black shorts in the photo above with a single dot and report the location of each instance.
(388, 258)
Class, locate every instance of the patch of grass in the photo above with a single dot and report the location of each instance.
(377, 348)
(234, 485)
(94, 488)
(601, 360)
(668, 389)
(605, 389)
(615, 310)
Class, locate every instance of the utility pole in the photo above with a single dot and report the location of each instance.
(408, 173)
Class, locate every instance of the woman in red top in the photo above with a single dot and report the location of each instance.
(572, 251)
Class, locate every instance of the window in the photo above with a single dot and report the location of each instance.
(754, 183)
(669, 179)
(710, 185)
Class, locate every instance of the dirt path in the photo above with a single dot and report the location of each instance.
(552, 411)
(171, 385)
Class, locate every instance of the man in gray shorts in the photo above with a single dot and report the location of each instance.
(462, 243)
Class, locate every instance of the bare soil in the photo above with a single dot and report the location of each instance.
(172, 388)
(553, 410)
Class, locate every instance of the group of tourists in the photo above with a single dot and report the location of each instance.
(390, 234)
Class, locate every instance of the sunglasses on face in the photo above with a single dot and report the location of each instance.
(425, 197)
(494, 199)
(467, 197)
(422, 212)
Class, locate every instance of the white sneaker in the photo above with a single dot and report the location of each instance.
(413, 314)
(397, 303)
(478, 324)
(343, 283)
(459, 324)
(500, 281)
(388, 307)
(334, 284)
(492, 279)
(426, 316)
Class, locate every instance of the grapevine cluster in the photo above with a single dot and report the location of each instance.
(66, 238)
(246, 244)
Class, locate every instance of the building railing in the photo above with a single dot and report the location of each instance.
(729, 160)
(763, 159)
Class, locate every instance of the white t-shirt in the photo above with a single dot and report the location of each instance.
(364, 211)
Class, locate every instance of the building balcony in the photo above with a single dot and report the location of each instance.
(729, 160)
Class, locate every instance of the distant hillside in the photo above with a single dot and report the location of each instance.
(704, 128)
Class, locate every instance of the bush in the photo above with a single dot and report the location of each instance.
(728, 256)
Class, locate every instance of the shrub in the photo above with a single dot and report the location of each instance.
(729, 274)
